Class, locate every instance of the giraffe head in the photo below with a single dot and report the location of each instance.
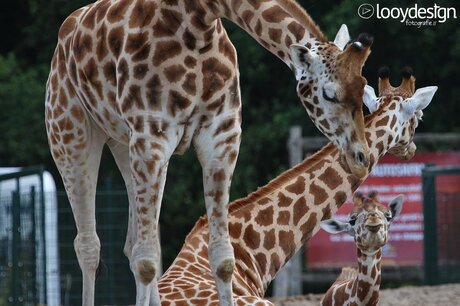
(369, 221)
(406, 103)
(330, 86)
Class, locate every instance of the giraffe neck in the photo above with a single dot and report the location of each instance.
(357, 287)
(367, 281)
(271, 224)
(277, 220)
(275, 24)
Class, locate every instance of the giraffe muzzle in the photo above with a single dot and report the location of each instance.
(358, 162)
(374, 228)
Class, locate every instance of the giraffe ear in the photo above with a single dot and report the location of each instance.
(334, 227)
(370, 99)
(302, 57)
(342, 37)
(396, 206)
(421, 99)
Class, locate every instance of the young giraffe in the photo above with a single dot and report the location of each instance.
(148, 77)
(369, 223)
(270, 225)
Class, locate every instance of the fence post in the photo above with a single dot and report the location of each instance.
(34, 239)
(43, 298)
(16, 298)
(431, 273)
(288, 281)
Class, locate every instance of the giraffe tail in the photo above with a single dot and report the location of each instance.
(347, 274)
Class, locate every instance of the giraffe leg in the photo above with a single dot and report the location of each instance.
(218, 163)
(149, 163)
(120, 153)
(76, 147)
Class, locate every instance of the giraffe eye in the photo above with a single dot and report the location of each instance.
(388, 217)
(329, 95)
(352, 221)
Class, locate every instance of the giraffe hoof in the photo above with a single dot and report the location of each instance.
(225, 270)
(146, 270)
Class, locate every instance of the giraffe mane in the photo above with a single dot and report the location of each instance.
(299, 13)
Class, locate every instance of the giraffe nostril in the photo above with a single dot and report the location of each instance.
(360, 158)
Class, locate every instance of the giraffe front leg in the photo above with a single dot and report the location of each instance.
(149, 164)
(218, 163)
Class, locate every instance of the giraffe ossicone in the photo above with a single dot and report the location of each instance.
(368, 224)
(149, 78)
(271, 224)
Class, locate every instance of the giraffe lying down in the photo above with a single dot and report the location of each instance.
(369, 223)
(268, 226)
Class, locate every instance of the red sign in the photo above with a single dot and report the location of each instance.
(389, 177)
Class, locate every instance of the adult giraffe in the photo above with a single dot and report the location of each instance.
(271, 224)
(148, 77)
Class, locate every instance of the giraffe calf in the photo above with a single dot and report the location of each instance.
(368, 224)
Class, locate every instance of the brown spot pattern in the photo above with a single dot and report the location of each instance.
(319, 193)
(168, 24)
(283, 200)
(142, 14)
(177, 102)
(300, 209)
(165, 50)
(174, 72)
(286, 241)
(251, 237)
(265, 216)
(115, 40)
(331, 178)
(274, 14)
(215, 74)
(298, 187)
(269, 239)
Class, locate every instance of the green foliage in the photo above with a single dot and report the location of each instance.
(22, 127)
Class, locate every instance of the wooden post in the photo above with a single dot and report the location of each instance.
(288, 281)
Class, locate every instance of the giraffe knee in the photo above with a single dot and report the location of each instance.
(87, 247)
(146, 271)
(225, 270)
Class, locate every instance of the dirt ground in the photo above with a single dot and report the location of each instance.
(442, 295)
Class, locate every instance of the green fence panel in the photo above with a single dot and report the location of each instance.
(441, 229)
(115, 284)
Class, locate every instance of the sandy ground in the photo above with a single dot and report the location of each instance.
(442, 295)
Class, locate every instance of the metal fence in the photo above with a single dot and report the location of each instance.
(38, 265)
(21, 274)
(18, 269)
(115, 284)
(441, 227)
(23, 271)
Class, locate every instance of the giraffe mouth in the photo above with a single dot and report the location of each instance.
(374, 228)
